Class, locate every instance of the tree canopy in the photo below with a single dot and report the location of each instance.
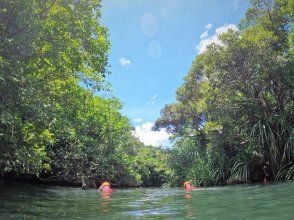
(53, 60)
(233, 114)
(234, 111)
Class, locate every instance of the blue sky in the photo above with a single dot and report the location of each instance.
(153, 44)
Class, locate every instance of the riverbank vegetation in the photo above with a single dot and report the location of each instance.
(233, 118)
(53, 126)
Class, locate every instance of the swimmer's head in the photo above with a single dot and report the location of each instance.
(105, 184)
(187, 183)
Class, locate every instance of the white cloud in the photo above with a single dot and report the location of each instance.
(138, 120)
(154, 97)
(204, 35)
(152, 100)
(124, 61)
(145, 134)
(206, 40)
(208, 26)
(225, 28)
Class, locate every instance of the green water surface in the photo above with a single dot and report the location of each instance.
(24, 201)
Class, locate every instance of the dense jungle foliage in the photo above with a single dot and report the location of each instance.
(53, 59)
(233, 118)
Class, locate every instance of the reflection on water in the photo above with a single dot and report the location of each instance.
(23, 201)
(188, 196)
(105, 201)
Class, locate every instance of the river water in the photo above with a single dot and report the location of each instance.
(24, 201)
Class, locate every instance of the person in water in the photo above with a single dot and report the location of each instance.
(188, 186)
(266, 172)
(105, 187)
